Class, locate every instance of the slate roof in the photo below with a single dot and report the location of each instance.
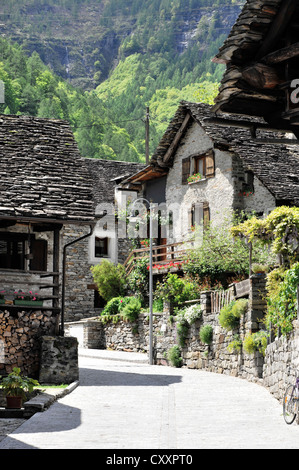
(248, 32)
(263, 27)
(43, 175)
(275, 165)
(107, 174)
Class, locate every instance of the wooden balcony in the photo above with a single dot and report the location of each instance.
(165, 257)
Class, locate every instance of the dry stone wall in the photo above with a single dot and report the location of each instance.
(20, 333)
(216, 357)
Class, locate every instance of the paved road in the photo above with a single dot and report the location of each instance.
(121, 404)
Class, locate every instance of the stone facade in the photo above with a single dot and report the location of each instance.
(224, 192)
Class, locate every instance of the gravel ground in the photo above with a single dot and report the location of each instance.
(8, 425)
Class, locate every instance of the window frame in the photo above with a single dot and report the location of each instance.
(25, 263)
(106, 241)
(190, 165)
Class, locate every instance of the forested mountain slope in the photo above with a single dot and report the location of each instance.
(103, 61)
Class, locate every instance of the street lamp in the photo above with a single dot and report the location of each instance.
(151, 361)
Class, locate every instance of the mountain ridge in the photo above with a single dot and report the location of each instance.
(116, 57)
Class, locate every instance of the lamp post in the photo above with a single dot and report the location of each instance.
(151, 359)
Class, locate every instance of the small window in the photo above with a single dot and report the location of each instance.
(101, 247)
(199, 163)
(12, 251)
(199, 211)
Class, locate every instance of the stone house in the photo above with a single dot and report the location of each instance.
(106, 241)
(237, 172)
(45, 191)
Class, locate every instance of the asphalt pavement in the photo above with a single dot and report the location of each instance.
(123, 403)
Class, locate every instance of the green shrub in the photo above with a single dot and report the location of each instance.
(230, 314)
(131, 309)
(255, 342)
(174, 356)
(227, 319)
(182, 328)
(235, 345)
(112, 307)
(176, 290)
(206, 334)
(239, 308)
(110, 279)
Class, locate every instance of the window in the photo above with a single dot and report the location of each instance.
(198, 212)
(101, 247)
(199, 163)
(13, 249)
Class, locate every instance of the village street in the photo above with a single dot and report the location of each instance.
(124, 403)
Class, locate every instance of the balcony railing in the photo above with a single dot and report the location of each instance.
(164, 257)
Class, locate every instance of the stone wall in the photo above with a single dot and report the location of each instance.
(135, 337)
(59, 360)
(281, 365)
(20, 334)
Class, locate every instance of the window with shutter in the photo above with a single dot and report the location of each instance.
(197, 212)
(203, 164)
(185, 170)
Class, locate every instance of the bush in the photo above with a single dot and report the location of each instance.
(174, 356)
(227, 319)
(115, 305)
(239, 308)
(131, 309)
(255, 342)
(282, 298)
(110, 279)
(175, 289)
(206, 334)
(235, 345)
(230, 314)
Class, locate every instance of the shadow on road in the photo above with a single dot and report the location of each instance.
(92, 377)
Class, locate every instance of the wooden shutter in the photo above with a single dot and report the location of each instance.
(210, 164)
(206, 214)
(185, 170)
(39, 249)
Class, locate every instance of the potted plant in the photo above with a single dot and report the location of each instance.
(194, 178)
(259, 268)
(16, 387)
(24, 298)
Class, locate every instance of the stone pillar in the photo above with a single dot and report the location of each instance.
(59, 360)
(257, 302)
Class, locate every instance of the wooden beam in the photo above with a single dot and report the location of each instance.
(261, 76)
(282, 55)
(278, 27)
(177, 138)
